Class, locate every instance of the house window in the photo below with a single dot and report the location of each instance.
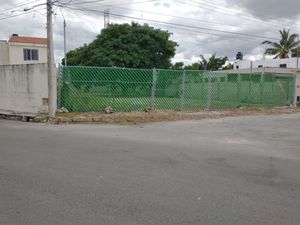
(260, 66)
(282, 65)
(30, 54)
(237, 67)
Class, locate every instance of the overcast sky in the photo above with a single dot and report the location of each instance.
(192, 22)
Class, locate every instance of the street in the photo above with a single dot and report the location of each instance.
(232, 171)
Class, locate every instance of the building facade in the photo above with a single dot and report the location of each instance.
(23, 50)
(290, 63)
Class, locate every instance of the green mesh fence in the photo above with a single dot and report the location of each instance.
(92, 89)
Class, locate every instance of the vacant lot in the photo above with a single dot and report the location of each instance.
(242, 170)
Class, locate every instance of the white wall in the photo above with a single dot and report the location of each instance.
(16, 53)
(4, 55)
(275, 63)
(23, 87)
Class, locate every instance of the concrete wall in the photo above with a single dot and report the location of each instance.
(4, 54)
(23, 87)
(16, 53)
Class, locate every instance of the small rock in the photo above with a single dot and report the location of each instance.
(108, 110)
(147, 110)
(63, 110)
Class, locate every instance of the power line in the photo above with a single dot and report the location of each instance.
(77, 15)
(79, 3)
(228, 12)
(199, 32)
(174, 27)
(33, 7)
(181, 29)
(21, 3)
(25, 11)
(214, 7)
(69, 2)
(11, 16)
(235, 13)
(98, 1)
(161, 14)
(172, 16)
(175, 24)
(12, 9)
(179, 17)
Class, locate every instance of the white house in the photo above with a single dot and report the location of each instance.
(23, 50)
(270, 66)
(290, 63)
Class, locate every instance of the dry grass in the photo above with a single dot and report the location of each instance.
(158, 116)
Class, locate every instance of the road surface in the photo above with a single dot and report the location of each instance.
(243, 170)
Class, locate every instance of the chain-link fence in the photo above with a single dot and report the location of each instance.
(92, 89)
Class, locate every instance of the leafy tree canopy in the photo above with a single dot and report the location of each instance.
(193, 66)
(126, 45)
(295, 52)
(181, 66)
(286, 46)
(213, 62)
(177, 66)
(229, 66)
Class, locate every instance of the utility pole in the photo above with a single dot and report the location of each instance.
(65, 43)
(106, 18)
(50, 60)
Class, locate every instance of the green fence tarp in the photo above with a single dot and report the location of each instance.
(92, 89)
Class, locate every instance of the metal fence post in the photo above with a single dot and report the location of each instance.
(58, 86)
(182, 91)
(294, 79)
(209, 91)
(262, 80)
(239, 87)
(250, 87)
(153, 91)
(219, 81)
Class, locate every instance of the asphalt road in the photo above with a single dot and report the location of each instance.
(231, 171)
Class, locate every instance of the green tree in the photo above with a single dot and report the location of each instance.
(177, 66)
(213, 62)
(127, 45)
(286, 46)
(229, 66)
(194, 66)
(295, 53)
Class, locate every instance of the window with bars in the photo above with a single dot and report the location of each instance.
(30, 54)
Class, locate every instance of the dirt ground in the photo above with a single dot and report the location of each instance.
(158, 116)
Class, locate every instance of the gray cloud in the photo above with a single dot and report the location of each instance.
(271, 9)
